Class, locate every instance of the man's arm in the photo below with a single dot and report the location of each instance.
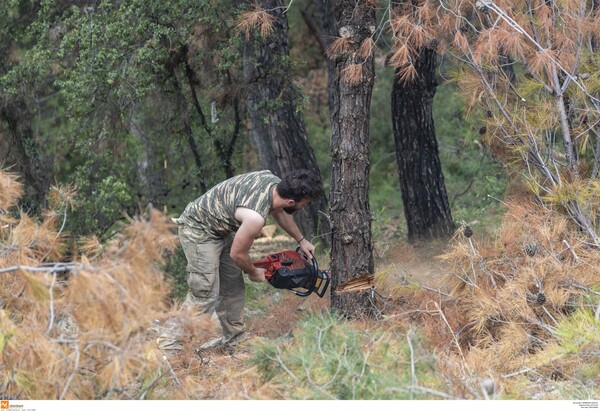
(252, 223)
(286, 221)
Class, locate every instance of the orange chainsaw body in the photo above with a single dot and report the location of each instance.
(293, 271)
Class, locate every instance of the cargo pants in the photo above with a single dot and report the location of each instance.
(215, 282)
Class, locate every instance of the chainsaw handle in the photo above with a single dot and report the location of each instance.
(313, 259)
(313, 285)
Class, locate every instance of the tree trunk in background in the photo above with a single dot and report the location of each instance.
(150, 165)
(272, 101)
(424, 194)
(328, 33)
(21, 153)
(352, 249)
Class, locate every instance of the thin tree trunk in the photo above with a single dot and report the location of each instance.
(352, 248)
(23, 155)
(272, 101)
(426, 206)
(150, 167)
(328, 34)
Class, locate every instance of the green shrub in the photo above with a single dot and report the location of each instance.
(330, 358)
(176, 273)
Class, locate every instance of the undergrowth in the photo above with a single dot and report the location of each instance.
(75, 313)
(330, 358)
(515, 316)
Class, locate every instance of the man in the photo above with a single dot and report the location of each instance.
(218, 229)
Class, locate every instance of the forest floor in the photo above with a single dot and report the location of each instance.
(230, 375)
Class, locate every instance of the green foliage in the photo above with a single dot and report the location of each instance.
(572, 360)
(99, 204)
(474, 180)
(175, 269)
(329, 358)
(580, 334)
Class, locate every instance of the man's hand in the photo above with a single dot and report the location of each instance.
(257, 275)
(307, 248)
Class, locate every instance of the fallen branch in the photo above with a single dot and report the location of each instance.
(54, 268)
(436, 291)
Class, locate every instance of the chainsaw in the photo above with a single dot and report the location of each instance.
(293, 271)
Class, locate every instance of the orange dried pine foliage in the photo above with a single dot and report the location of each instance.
(543, 18)
(62, 196)
(84, 331)
(408, 74)
(401, 57)
(460, 41)
(514, 43)
(485, 49)
(257, 18)
(90, 247)
(402, 26)
(10, 190)
(366, 48)
(338, 47)
(419, 37)
(538, 278)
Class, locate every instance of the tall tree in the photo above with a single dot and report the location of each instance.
(274, 101)
(352, 248)
(544, 122)
(21, 149)
(424, 196)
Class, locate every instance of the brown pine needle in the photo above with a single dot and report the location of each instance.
(366, 47)
(10, 189)
(338, 47)
(257, 18)
(401, 57)
(408, 74)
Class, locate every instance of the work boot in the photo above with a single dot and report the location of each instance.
(215, 343)
(221, 342)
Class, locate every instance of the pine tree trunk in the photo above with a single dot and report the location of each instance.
(21, 153)
(328, 32)
(272, 101)
(150, 169)
(352, 249)
(424, 194)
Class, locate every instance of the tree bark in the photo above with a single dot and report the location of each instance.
(328, 34)
(273, 107)
(150, 164)
(21, 153)
(426, 206)
(352, 248)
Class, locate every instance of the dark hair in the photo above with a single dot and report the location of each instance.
(299, 184)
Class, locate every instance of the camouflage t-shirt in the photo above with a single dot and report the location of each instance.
(214, 211)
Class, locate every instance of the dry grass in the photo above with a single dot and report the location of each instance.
(500, 311)
(506, 298)
(496, 313)
(78, 328)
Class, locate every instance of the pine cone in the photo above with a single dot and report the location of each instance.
(530, 249)
(468, 231)
(540, 298)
